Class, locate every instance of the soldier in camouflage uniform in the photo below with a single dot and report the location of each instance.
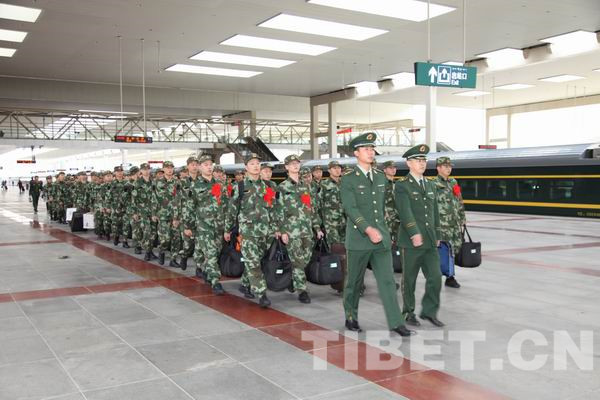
(79, 192)
(298, 222)
(128, 222)
(202, 210)
(392, 219)
(47, 190)
(166, 211)
(142, 195)
(60, 197)
(187, 247)
(451, 210)
(98, 203)
(332, 212)
(116, 201)
(254, 215)
(266, 172)
(317, 174)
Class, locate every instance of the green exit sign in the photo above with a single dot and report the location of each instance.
(428, 74)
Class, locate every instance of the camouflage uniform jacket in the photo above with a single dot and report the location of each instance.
(256, 211)
(79, 191)
(129, 206)
(47, 190)
(332, 211)
(95, 201)
(116, 196)
(391, 217)
(166, 199)
(60, 195)
(203, 206)
(297, 213)
(141, 197)
(451, 210)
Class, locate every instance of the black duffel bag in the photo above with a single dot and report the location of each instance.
(230, 259)
(277, 267)
(77, 222)
(396, 258)
(324, 268)
(469, 255)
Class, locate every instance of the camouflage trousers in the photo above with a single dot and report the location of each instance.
(169, 237)
(98, 222)
(136, 231)
(128, 226)
(107, 220)
(393, 227)
(335, 233)
(145, 232)
(207, 248)
(300, 251)
(188, 245)
(452, 236)
(117, 222)
(253, 250)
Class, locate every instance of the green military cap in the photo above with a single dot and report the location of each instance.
(204, 157)
(316, 167)
(388, 164)
(184, 169)
(290, 158)
(419, 151)
(81, 173)
(266, 165)
(191, 159)
(366, 139)
(252, 156)
(444, 161)
(93, 173)
(304, 171)
(108, 173)
(160, 170)
(133, 170)
(168, 164)
(118, 168)
(218, 168)
(60, 173)
(145, 166)
(333, 164)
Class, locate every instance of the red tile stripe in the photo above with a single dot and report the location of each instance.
(438, 385)
(33, 242)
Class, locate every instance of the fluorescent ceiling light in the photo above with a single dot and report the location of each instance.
(402, 80)
(320, 27)
(572, 42)
(404, 9)
(454, 63)
(240, 59)
(5, 52)
(472, 93)
(195, 69)
(108, 112)
(513, 86)
(597, 70)
(561, 78)
(12, 36)
(286, 46)
(503, 58)
(365, 88)
(18, 13)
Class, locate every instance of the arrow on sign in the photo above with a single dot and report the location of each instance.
(432, 74)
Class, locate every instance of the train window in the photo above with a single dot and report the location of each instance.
(468, 187)
(562, 189)
(496, 188)
(528, 189)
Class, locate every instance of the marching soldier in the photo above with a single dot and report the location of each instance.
(451, 208)
(332, 211)
(367, 238)
(60, 197)
(251, 205)
(98, 202)
(47, 189)
(166, 206)
(298, 221)
(418, 237)
(187, 247)
(106, 210)
(142, 196)
(128, 223)
(79, 189)
(117, 200)
(35, 189)
(266, 173)
(392, 220)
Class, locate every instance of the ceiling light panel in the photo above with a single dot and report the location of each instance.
(472, 93)
(196, 69)
(402, 80)
(18, 13)
(561, 78)
(5, 52)
(365, 88)
(285, 46)
(108, 112)
(514, 86)
(240, 59)
(410, 10)
(320, 27)
(12, 36)
(503, 58)
(572, 42)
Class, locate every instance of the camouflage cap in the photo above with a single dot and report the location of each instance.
(317, 167)
(419, 151)
(266, 165)
(160, 171)
(191, 159)
(366, 139)
(252, 156)
(290, 158)
(333, 164)
(218, 168)
(81, 173)
(388, 164)
(118, 168)
(444, 161)
(304, 171)
(144, 166)
(168, 164)
(133, 170)
(184, 169)
(204, 157)
(60, 173)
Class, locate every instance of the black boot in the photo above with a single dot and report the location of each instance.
(183, 263)
(108, 237)
(245, 290)
(217, 289)
(137, 250)
(125, 244)
(304, 297)
(161, 258)
(264, 301)
(147, 256)
(173, 263)
(116, 241)
(153, 256)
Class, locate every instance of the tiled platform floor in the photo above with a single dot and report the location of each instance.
(102, 324)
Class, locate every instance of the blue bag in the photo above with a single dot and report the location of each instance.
(446, 259)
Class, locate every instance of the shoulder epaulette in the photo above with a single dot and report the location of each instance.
(402, 179)
(431, 178)
(348, 172)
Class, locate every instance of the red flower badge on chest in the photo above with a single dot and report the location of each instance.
(216, 192)
(305, 199)
(269, 196)
(456, 190)
(229, 189)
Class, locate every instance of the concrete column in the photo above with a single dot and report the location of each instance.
(509, 130)
(332, 130)
(314, 130)
(430, 119)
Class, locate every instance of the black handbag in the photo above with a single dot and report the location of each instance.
(277, 267)
(77, 222)
(396, 258)
(230, 259)
(469, 255)
(324, 267)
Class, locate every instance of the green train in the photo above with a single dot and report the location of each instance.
(553, 180)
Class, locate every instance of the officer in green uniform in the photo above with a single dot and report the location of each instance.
(419, 237)
(35, 190)
(367, 238)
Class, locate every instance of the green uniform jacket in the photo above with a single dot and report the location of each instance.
(363, 203)
(418, 212)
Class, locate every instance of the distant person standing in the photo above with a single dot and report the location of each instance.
(452, 210)
(20, 185)
(35, 189)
